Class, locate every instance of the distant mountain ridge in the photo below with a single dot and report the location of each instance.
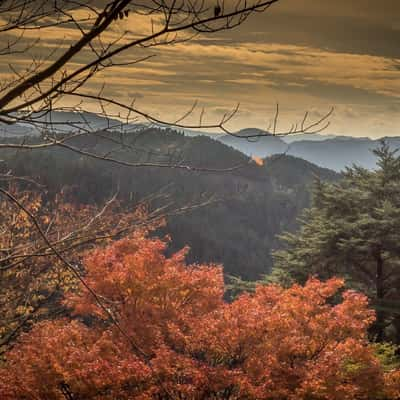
(62, 122)
(335, 152)
(327, 151)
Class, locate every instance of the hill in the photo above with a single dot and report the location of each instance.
(335, 153)
(262, 146)
(327, 151)
(339, 153)
(254, 203)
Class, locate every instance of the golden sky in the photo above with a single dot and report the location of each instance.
(307, 55)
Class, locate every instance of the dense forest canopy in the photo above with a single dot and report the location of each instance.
(248, 206)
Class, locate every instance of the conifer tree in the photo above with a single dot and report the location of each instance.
(353, 230)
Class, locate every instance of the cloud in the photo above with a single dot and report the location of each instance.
(303, 54)
(135, 95)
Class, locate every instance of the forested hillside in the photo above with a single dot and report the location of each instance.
(248, 205)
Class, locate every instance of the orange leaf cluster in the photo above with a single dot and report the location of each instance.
(32, 278)
(274, 344)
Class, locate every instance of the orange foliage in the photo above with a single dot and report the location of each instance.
(274, 344)
(392, 384)
(32, 278)
(258, 160)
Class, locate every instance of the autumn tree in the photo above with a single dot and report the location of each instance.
(33, 278)
(166, 333)
(352, 230)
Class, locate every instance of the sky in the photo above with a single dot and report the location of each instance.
(306, 55)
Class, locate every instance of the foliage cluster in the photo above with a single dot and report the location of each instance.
(32, 277)
(177, 338)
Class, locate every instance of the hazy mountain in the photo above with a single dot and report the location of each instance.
(335, 153)
(193, 133)
(262, 146)
(66, 121)
(328, 151)
(17, 130)
(62, 122)
(248, 132)
(315, 137)
(339, 153)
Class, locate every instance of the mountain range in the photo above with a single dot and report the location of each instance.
(335, 153)
(328, 151)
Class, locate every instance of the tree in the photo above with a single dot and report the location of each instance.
(352, 230)
(177, 338)
(33, 278)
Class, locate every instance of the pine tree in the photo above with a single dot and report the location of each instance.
(353, 230)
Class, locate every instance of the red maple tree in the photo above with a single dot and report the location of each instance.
(165, 332)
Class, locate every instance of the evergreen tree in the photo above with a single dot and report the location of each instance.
(353, 230)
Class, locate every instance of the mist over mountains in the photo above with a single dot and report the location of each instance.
(333, 152)
(327, 151)
(62, 122)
